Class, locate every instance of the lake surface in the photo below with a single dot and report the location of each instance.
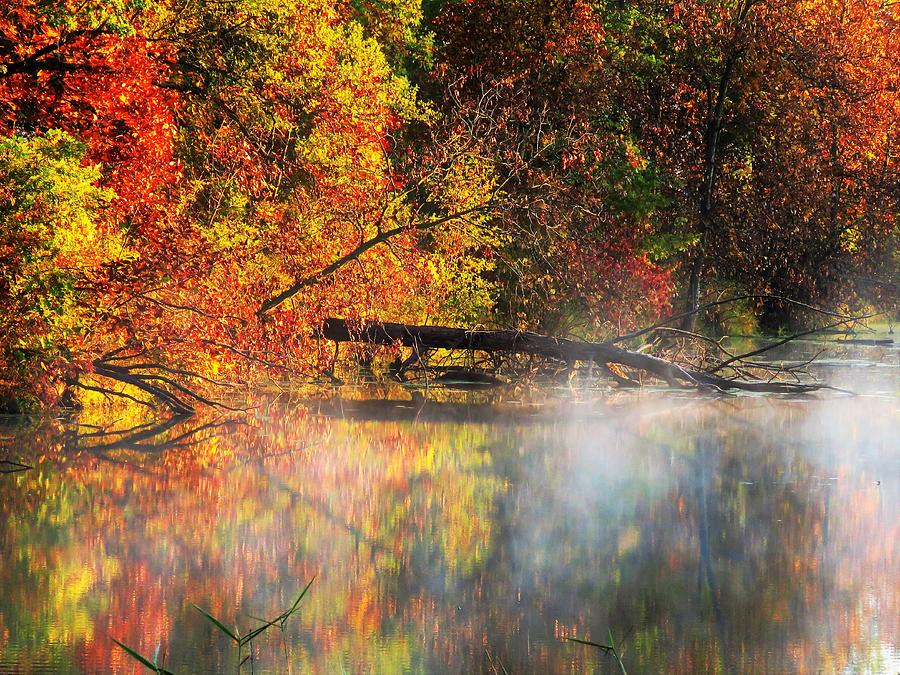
(738, 534)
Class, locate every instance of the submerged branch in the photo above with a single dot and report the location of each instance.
(439, 337)
(10, 466)
(796, 336)
(110, 392)
(119, 374)
(162, 388)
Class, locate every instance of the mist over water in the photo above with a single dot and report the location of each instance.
(740, 534)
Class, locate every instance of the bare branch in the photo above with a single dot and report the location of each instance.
(716, 303)
(365, 246)
(795, 336)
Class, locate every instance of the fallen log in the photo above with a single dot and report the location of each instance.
(421, 338)
(867, 342)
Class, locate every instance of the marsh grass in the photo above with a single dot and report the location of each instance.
(610, 649)
(241, 641)
(152, 665)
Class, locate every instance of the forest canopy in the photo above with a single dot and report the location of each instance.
(189, 188)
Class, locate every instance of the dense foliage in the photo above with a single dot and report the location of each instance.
(191, 186)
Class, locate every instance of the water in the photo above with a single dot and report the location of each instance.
(735, 535)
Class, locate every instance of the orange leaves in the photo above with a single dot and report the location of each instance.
(101, 87)
(244, 148)
(67, 78)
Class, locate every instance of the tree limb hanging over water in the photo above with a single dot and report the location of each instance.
(674, 373)
(708, 365)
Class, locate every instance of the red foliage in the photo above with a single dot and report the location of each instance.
(101, 87)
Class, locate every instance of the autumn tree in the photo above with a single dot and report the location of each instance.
(191, 188)
(254, 160)
(52, 245)
(783, 116)
(586, 205)
(754, 136)
(753, 112)
(86, 165)
(823, 223)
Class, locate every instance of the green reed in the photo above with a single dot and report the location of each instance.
(607, 649)
(241, 641)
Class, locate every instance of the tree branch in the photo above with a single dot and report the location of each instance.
(365, 246)
(716, 303)
(439, 337)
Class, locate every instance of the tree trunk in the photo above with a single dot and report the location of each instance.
(692, 305)
(440, 337)
(713, 131)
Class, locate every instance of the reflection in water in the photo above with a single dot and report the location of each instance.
(729, 535)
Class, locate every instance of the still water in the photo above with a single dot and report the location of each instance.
(736, 534)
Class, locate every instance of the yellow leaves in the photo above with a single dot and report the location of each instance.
(351, 91)
(634, 156)
(851, 238)
(228, 234)
(469, 182)
(58, 227)
(459, 293)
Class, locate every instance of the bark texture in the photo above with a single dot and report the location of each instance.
(420, 338)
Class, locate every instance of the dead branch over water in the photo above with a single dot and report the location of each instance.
(675, 371)
(683, 359)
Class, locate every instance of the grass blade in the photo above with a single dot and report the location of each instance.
(296, 604)
(278, 620)
(137, 657)
(256, 631)
(615, 651)
(143, 660)
(605, 648)
(218, 624)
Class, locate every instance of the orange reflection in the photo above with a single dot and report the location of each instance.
(701, 539)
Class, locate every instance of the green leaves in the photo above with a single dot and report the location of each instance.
(663, 246)
(113, 16)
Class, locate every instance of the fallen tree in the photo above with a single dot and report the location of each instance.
(681, 358)
(423, 338)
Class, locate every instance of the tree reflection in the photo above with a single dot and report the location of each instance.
(443, 539)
